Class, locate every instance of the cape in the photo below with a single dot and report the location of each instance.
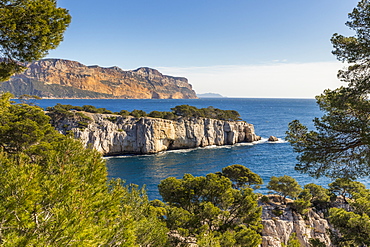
(58, 78)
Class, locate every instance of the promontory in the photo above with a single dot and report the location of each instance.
(58, 78)
(119, 133)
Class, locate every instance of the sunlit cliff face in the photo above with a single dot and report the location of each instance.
(143, 83)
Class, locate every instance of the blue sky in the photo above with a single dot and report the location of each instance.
(239, 48)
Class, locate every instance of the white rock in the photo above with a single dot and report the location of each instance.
(153, 135)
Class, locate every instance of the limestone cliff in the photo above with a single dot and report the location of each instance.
(57, 78)
(277, 229)
(115, 135)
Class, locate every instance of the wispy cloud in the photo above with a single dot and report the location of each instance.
(277, 79)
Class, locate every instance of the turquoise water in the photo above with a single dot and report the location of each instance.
(269, 116)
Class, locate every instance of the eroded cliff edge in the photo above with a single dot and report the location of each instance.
(116, 135)
(277, 229)
(59, 78)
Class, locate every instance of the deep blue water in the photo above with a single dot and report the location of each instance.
(269, 116)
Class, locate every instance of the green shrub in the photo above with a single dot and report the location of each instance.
(315, 242)
(82, 125)
(265, 199)
(277, 211)
(112, 119)
(181, 111)
(156, 114)
(138, 113)
(124, 113)
(187, 111)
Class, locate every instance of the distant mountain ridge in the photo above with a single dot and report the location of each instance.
(59, 78)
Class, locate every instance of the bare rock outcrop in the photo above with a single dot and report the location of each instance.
(58, 78)
(278, 228)
(273, 139)
(115, 135)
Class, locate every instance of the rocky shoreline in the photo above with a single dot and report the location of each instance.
(118, 135)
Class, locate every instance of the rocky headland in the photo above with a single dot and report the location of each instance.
(117, 135)
(58, 78)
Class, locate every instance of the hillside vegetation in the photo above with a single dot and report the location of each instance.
(181, 111)
(56, 193)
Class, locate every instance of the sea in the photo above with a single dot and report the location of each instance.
(270, 117)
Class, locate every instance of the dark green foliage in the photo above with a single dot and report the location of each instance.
(60, 111)
(265, 199)
(54, 192)
(340, 145)
(22, 125)
(345, 187)
(150, 229)
(293, 241)
(124, 113)
(156, 114)
(175, 115)
(93, 109)
(9, 68)
(319, 193)
(242, 176)
(90, 108)
(277, 212)
(355, 48)
(28, 99)
(138, 113)
(169, 116)
(303, 203)
(285, 186)
(82, 125)
(60, 198)
(353, 226)
(113, 119)
(63, 109)
(28, 29)
(83, 117)
(212, 210)
(211, 112)
(187, 111)
(321, 197)
(163, 114)
(315, 242)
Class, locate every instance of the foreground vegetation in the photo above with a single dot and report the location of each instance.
(339, 147)
(56, 193)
